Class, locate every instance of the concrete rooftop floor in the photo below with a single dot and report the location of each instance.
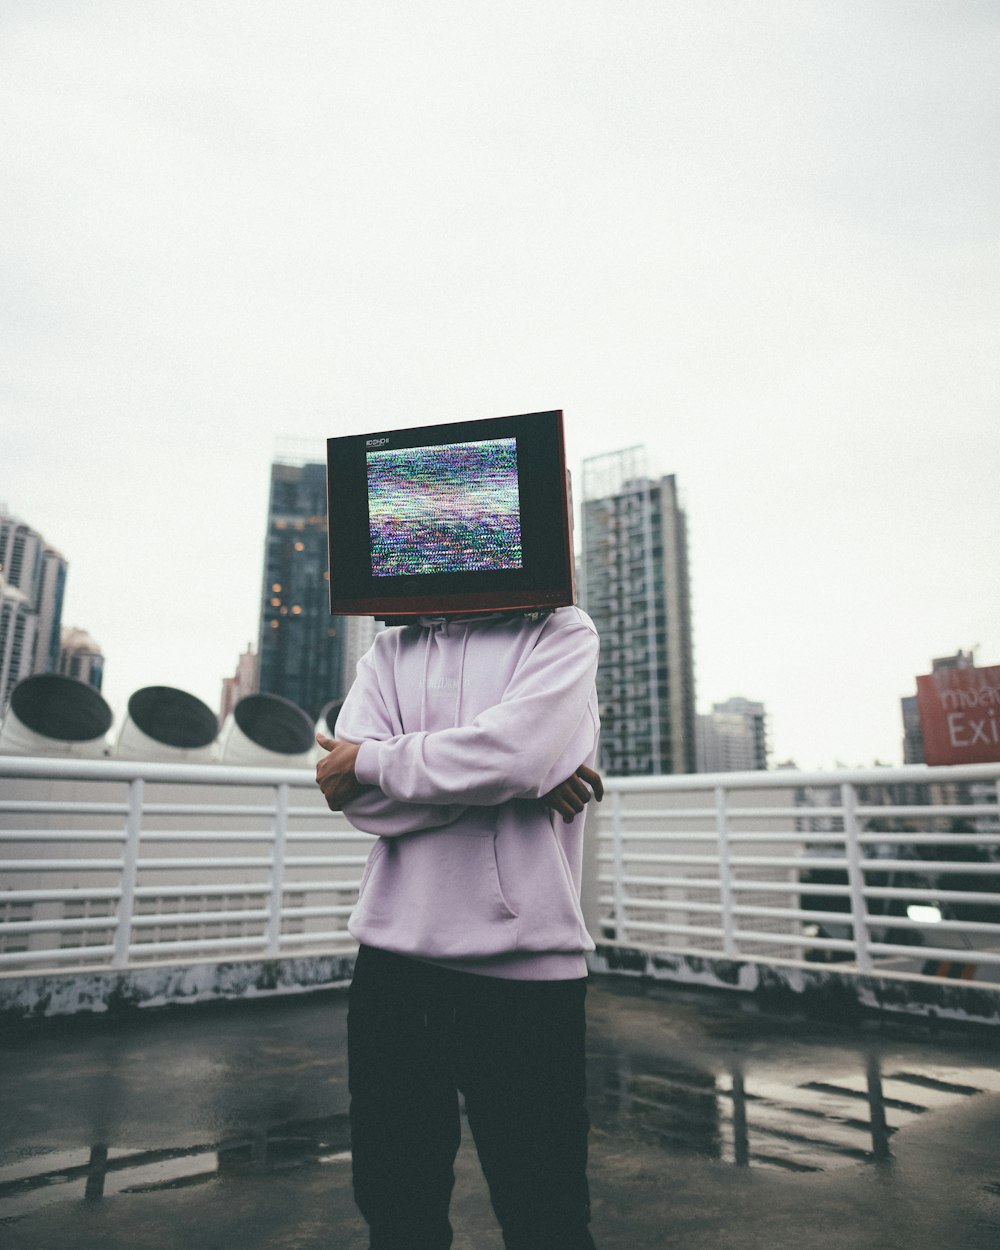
(715, 1126)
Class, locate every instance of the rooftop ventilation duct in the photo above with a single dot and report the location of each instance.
(164, 723)
(267, 731)
(54, 715)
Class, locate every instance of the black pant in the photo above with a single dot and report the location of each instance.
(417, 1035)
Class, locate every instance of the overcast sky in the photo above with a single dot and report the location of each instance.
(760, 238)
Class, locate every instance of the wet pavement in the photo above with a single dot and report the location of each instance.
(715, 1126)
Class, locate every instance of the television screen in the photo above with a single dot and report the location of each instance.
(471, 516)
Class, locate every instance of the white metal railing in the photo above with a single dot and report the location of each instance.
(106, 864)
(863, 867)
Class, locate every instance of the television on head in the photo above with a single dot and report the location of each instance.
(472, 516)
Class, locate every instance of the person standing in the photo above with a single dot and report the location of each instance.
(466, 747)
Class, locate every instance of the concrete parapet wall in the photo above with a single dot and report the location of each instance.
(831, 991)
(59, 993)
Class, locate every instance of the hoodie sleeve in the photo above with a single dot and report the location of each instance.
(368, 716)
(510, 750)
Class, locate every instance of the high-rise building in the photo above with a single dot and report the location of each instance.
(32, 584)
(18, 627)
(81, 657)
(732, 738)
(300, 646)
(51, 589)
(38, 571)
(243, 682)
(635, 586)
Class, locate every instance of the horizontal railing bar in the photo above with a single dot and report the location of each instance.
(322, 887)
(63, 925)
(56, 954)
(138, 950)
(696, 883)
(926, 926)
(934, 839)
(648, 926)
(794, 939)
(792, 887)
(667, 857)
(810, 836)
(959, 954)
(782, 861)
(303, 777)
(214, 862)
(665, 904)
(207, 889)
(164, 919)
(206, 835)
(63, 835)
(805, 838)
(61, 807)
(60, 865)
(928, 810)
(337, 935)
(794, 780)
(918, 895)
(920, 867)
(54, 896)
(659, 835)
(294, 913)
(659, 813)
(153, 771)
(320, 861)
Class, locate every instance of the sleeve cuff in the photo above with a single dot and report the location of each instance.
(366, 763)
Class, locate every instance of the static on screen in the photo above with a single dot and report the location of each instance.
(446, 509)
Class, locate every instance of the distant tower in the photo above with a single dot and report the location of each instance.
(732, 738)
(81, 657)
(243, 682)
(38, 571)
(635, 586)
(300, 645)
(18, 627)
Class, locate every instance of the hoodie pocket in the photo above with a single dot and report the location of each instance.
(437, 895)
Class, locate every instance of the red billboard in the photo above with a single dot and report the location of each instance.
(960, 715)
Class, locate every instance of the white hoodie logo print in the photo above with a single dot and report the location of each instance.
(442, 685)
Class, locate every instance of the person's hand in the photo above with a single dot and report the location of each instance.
(571, 796)
(335, 772)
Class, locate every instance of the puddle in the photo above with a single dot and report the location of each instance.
(767, 1120)
(38, 1177)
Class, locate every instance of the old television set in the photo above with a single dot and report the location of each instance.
(469, 516)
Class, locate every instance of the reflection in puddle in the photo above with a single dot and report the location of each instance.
(770, 1121)
(41, 1177)
(757, 1119)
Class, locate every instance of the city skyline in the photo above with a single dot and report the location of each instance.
(761, 241)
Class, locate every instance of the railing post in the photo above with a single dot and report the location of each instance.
(618, 864)
(725, 872)
(855, 877)
(277, 870)
(130, 871)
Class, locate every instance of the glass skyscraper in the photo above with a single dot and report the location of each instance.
(300, 644)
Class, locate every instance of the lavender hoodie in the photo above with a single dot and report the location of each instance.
(463, 725)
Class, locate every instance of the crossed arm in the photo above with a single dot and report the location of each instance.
(336, 777)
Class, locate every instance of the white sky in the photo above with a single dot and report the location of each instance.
(759, 237)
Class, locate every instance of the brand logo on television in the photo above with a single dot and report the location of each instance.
(375, 442)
